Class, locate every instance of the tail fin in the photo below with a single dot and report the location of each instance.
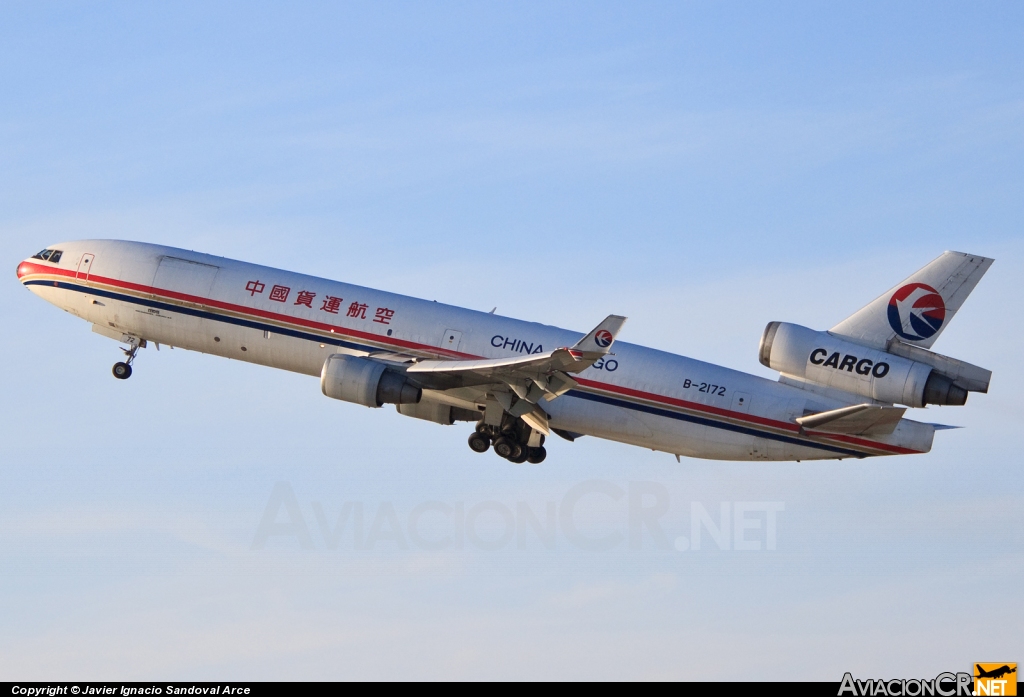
(918, 309)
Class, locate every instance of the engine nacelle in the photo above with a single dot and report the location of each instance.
(828, 360)
(366, 382)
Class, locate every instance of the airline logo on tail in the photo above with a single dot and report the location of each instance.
(604, 338)
(916, 311)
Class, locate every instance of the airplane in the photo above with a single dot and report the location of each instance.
(996, 673)
(840, 393)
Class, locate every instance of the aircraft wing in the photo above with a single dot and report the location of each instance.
(526, 380)
(573, 360)
(562, 359)
(856, 420)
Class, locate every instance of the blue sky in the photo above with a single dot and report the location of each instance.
(703, 169)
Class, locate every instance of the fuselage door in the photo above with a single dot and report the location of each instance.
(185, 276)
(451, 339)
(85, 266)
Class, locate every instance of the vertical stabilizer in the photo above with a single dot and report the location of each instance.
(918, 309)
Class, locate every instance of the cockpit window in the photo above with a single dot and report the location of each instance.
(50, 255)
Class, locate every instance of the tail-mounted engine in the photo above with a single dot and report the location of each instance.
(916, 378)
(367, 382)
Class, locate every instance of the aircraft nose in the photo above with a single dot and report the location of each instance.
(23, 269)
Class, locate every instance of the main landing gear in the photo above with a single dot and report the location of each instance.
(508, 443)
(123, 370)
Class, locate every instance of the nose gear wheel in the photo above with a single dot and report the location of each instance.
(122, 370)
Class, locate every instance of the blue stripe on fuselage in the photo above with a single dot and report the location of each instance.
(320, 339)
(704, 421)
(147, 302)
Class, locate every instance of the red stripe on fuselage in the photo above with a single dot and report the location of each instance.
(387, 340)
(740, 416)
(241, 309)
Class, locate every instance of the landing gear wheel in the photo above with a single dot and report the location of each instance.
(504, 447)
(479, 443)
(517, 451)
(123, 371)
(537, 455)
(520, 458)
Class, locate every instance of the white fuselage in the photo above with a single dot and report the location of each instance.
(291, 321)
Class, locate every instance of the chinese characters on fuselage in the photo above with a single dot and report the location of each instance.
(330, 304)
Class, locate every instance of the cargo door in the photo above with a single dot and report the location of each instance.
(184, 277)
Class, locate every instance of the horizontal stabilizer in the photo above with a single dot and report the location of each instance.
(858, 420)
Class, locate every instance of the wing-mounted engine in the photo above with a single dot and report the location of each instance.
(366, 381)
(904, 374)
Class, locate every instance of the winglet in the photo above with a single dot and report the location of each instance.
(600, 339)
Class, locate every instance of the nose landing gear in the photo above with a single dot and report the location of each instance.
(123, 369)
